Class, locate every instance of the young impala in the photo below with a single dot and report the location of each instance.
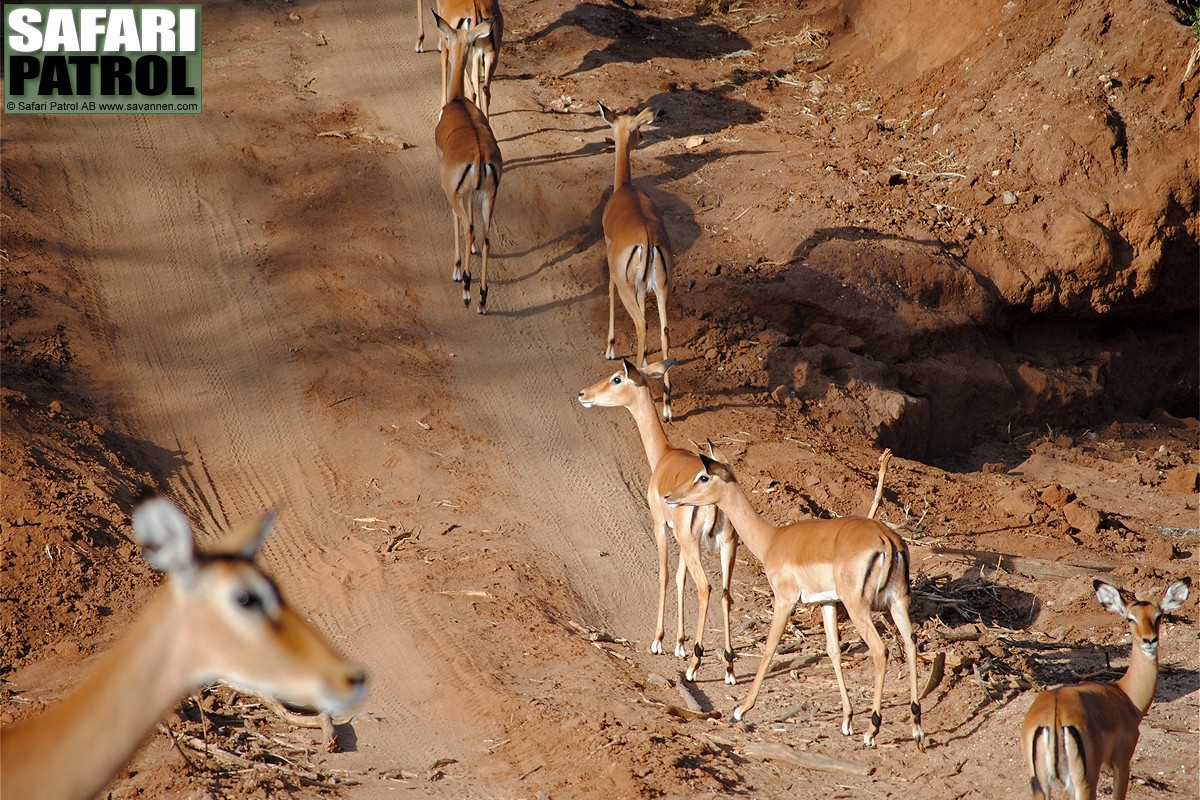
(1072, 732)
(638, 249)
(470, 158)
(481, 61)
(858, 561)
(627, 388)
(216, 618)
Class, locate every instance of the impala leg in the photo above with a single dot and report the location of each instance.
(660, 539)
(783, 611)
(1120, 779)
(485, 214)
(680, 583)
(661, 296)
(445, 59)
(728, 555)
(611, 352)
(487, 70)
(420, 48)
(879, 656)
(457, 273)
(833, 646)
(469, 229)
(899, 614)
(703, 594)
(637, 310)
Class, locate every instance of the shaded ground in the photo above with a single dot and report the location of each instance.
(241, 312)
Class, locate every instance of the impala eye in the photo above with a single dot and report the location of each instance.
(251, 601)
(703, 479)
(616, 379)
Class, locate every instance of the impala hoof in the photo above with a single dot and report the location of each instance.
(680, 650)
(738, 714)
(731, 679)
(656, 647)
(691, 674)
(919, 737)
(610, 353)
(847, 728)
(868, 740)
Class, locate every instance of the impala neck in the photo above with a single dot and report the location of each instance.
(752, 529)
(654, 438)
(621, 175)
(1140, 679)
(76, 746)
(457, 58)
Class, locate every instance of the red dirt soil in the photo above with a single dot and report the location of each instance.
(965, 231)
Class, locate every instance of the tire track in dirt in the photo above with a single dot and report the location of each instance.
(520, 367)
(200, 368)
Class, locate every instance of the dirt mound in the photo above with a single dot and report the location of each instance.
(1026, 231)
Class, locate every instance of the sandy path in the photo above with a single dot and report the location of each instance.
(200, 345)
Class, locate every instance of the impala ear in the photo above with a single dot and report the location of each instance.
(1110, 598)
(165, 536)
(645, 116)
(632, 373)
(717, 469)
(480, 31)
(658, 368)
(245, 540)
(1173, 598)
(717, 453)
(607, 114)
(442, 25)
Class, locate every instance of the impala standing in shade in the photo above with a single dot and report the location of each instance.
(471, 161)
(483, 55)
(638, 249)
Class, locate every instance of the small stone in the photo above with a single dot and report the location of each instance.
(1057, 496)
(1082, 518)
(781, 394)
(692, 142)
(771, 337)
(983, 197)
(992, 468)
(1019, 503)
(56, 407)
(710, 353)
(1009, 198)
(1182, 479)
(654, 679)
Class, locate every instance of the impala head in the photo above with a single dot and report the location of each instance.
(620, 388)
(627, 127)
(705, 487)
(232, 622)
(1143, 616)
(459, 40)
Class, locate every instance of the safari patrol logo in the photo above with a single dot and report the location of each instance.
(101, 59)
